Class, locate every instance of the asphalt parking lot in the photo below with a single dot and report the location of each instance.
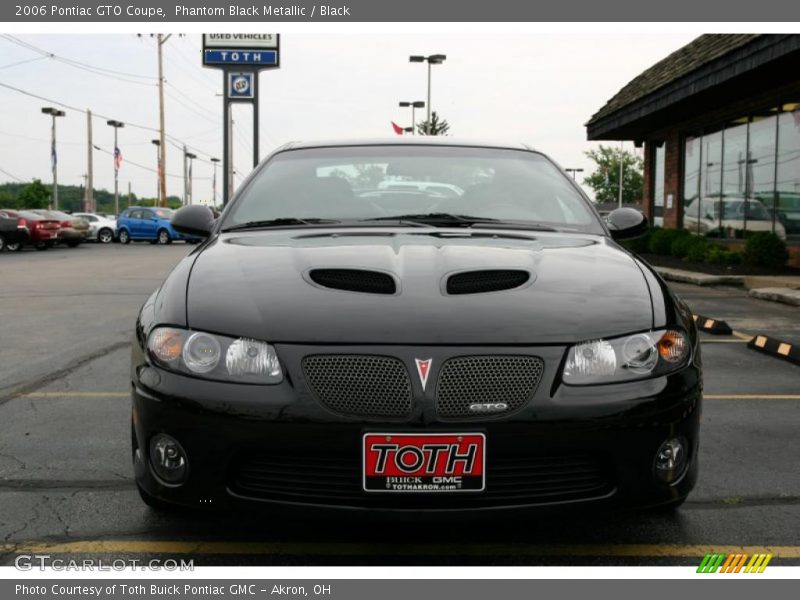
(66, 484)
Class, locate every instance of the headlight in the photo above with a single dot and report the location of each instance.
(623, 359)
(212, 356)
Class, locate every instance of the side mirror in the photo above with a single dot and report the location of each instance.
(626, 223)
(193, 220)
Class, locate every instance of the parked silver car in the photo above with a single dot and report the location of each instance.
(101, 229)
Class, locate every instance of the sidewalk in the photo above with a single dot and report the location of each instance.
(778, 288)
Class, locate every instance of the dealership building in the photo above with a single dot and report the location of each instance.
(719, 121)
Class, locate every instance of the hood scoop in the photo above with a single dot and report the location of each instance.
(484, 281)
(354, 280)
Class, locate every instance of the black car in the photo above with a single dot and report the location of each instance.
(336, 344)
(12, 234)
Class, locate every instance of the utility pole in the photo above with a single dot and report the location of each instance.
(189, 192)
(117, 159)
(129, 194)
(161, 39)
(54, 112)
(620, 173)
(433, 59)
(214, 183)
(185, 198)
(157, 144)
(89, 193)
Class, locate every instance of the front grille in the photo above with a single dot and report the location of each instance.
(465, 381)
(360, 385)
(480, 282)
(355, 280)
(335, 480)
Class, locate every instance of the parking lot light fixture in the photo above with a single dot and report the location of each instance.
(414, 106)
(54, 112)
(433, 59)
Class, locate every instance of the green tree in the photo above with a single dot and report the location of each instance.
(34, 195)
(437, 126)
(7, 200)
(605, 178)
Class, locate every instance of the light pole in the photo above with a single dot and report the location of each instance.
(191, 157)
(573, 171)
(117, 160)
(157, 144)
(414, 106)
(54, 112)
(214, 183)
(433, 59)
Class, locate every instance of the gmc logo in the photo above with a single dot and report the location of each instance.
(429, 459)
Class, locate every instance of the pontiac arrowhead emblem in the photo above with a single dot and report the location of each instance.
(424, 369)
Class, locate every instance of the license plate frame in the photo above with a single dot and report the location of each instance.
(467, 479)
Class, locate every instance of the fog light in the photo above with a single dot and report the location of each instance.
(671, 460)
(168, 459)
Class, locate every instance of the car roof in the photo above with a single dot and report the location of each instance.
(410, 140)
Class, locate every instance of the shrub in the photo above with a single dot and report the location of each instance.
(697, 250)
(681, 242)
(719, 255)
(661, 240)
(766, 249)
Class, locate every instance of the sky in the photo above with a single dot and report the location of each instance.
(539, 89)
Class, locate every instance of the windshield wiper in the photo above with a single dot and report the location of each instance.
(461, 220)
(282, 221)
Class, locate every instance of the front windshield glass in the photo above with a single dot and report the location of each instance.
(381, 182)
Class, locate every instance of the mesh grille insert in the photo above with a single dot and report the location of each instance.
(479, 282)
(468, 380)
(360, 385)
(354, 280)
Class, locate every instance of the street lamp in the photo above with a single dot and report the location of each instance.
(414, 106)
(433, 59)
(573, 171)
(191, 157)
(117, 160)
(157, 144)
(54, 112)
(214, 183)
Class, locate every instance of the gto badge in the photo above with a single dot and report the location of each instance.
(488, 407)
(424, 369)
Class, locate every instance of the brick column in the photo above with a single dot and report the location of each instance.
(672, 179)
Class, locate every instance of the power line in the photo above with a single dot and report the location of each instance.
(11, 175)
(22, 62)
(141, 166)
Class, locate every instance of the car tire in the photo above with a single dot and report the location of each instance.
(14, 247)
(105, 236)
(124, 236)
(163, 237)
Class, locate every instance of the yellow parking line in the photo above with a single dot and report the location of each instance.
(76, 395)
(383, 548)
(751, 396)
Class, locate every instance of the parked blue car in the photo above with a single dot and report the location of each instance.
(148, 223)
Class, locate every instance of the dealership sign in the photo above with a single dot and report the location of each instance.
(257, 50)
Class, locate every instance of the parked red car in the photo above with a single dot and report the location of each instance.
(42, 232)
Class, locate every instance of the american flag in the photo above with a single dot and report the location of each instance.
(117, 159)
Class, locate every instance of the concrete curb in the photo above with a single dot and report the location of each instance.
(775, 347)
(777, 294)
(714, 326)
(698, 278)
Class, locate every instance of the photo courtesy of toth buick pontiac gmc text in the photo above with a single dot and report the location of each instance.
(410, 326)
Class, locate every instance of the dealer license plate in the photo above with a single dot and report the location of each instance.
(424, 462)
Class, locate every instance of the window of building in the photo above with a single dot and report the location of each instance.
(659, 156)
(787, 185)
(744, 177)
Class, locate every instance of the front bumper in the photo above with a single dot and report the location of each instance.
(277, 446)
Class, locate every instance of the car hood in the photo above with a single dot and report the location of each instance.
(256, 284)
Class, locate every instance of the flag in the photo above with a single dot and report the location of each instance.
(397, 129)
(117, 158)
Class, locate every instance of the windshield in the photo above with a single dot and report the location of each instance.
(363, 183)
